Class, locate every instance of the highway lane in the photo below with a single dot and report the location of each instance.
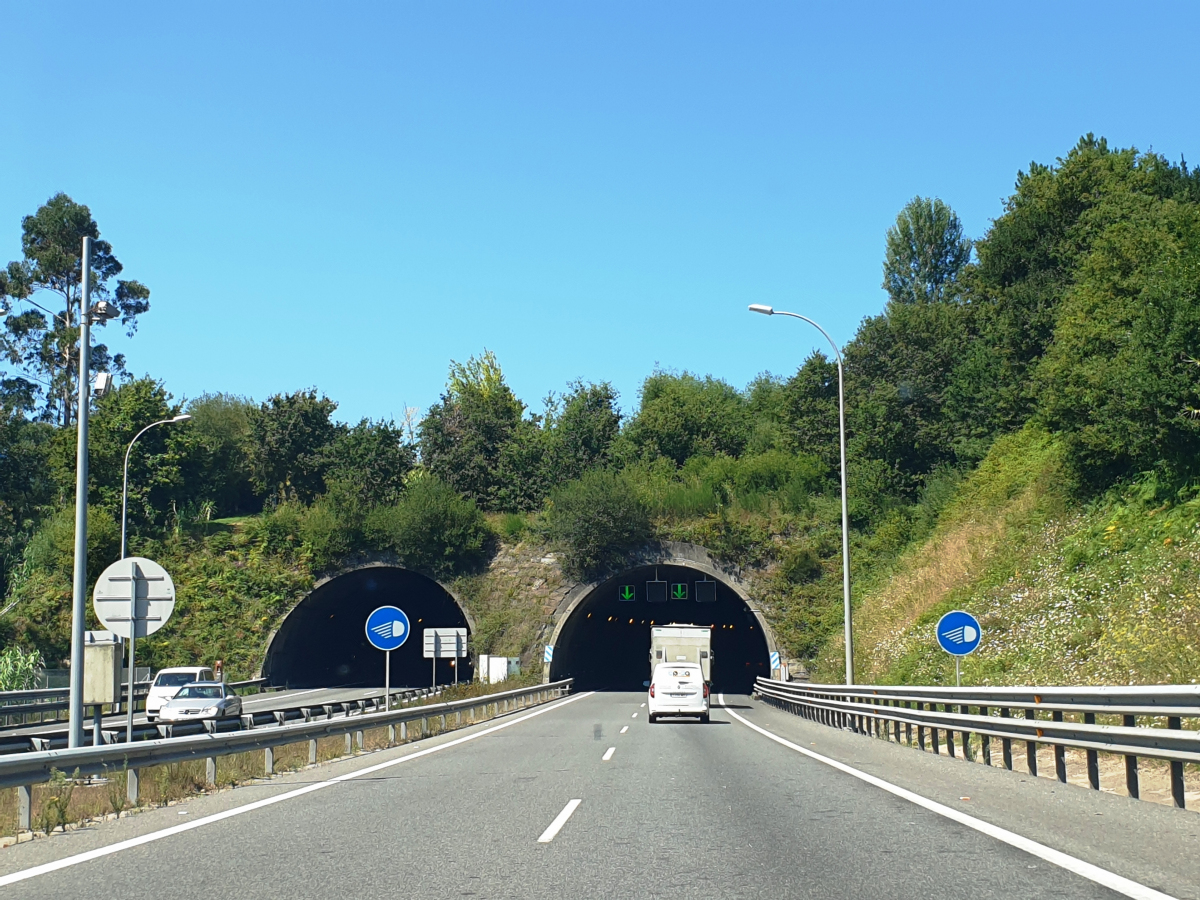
(667, 810)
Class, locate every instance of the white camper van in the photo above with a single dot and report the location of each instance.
(677, 643)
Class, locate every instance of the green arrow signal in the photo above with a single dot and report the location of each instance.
(679, 592)
(627, 592)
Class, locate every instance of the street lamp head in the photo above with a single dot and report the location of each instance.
(760, 308)
(185, 417)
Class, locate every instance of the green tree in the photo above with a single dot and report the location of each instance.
(925, 252)
(681, 416)
(596, 521)
(1120, 376)
(811, 410)
(26, 489)
(368, 465)
(221, 426)
(463, 436)
(432, 529)
(42, 340)
(290, 441)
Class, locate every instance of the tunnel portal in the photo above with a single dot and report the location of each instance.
(323, 643)
(605, 642)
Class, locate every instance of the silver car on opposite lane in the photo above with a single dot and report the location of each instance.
(201, 700)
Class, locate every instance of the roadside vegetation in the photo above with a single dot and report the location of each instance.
(1023, 417)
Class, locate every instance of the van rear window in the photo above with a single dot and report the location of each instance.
(174, 679)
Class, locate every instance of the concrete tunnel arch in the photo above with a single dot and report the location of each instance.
(322, 641)
(595, 642)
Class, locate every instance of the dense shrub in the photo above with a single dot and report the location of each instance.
(596, 521)
(432, 529)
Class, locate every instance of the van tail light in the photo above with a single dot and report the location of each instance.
(706, 690)
(651, 690)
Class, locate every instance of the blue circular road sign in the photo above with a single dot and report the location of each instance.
(387, 628)
(958, 632)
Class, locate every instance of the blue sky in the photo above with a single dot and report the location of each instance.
(351, 195)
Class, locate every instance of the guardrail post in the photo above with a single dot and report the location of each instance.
(965, 710)
(920, 731)
(1031, 746)
(349, 748)
(1093, 761)
(442, 722)
(269, 761)
(25, 807)
(210, 771)
(1131, 768)
(458, 718)
(358, 739)
(424, 725)
(404, 731)
(1176, 769)
(1060, 752)
(985, 740)
(933, 735)
(1006, 743)
(312, 752)
(391, 735)
(131, 786)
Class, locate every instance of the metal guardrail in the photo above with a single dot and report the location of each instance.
(58, 738)
(40, 701)
(894, 712)
(23, 770)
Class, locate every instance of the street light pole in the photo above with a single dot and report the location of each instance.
(79, 595)
(847, 615)
(133, 583)
(125, 479)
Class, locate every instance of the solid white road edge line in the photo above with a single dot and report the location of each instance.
(608, 753)
(559, 821)
(99, 852)
(1049, 854)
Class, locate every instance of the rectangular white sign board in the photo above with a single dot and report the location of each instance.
(445, 643)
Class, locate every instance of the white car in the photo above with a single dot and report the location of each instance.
(678, 689)
(169, 681)
(202, 700)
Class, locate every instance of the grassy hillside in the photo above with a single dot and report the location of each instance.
(1103, 593)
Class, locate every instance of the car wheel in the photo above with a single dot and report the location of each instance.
(653, 718)
(704, 718)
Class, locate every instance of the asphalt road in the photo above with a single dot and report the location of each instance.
(675, 809)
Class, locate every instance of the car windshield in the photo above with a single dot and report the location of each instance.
(199, 692)
(174, 679)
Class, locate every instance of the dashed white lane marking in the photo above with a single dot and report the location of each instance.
(625, 729)
(643, 706)
(559, 822)
(1056, 857)
(609, 752)
(634, 716)
(99, 852)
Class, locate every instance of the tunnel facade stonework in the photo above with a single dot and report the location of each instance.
(603, 641)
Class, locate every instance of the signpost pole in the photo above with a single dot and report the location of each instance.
(958, 671)
(132, 641)
(387, 681)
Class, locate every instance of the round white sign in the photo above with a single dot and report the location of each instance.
(135, 596)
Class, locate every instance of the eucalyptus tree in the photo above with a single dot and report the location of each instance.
(41, 329)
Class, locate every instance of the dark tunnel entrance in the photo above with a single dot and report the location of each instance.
(323, 643)
(605, 643)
